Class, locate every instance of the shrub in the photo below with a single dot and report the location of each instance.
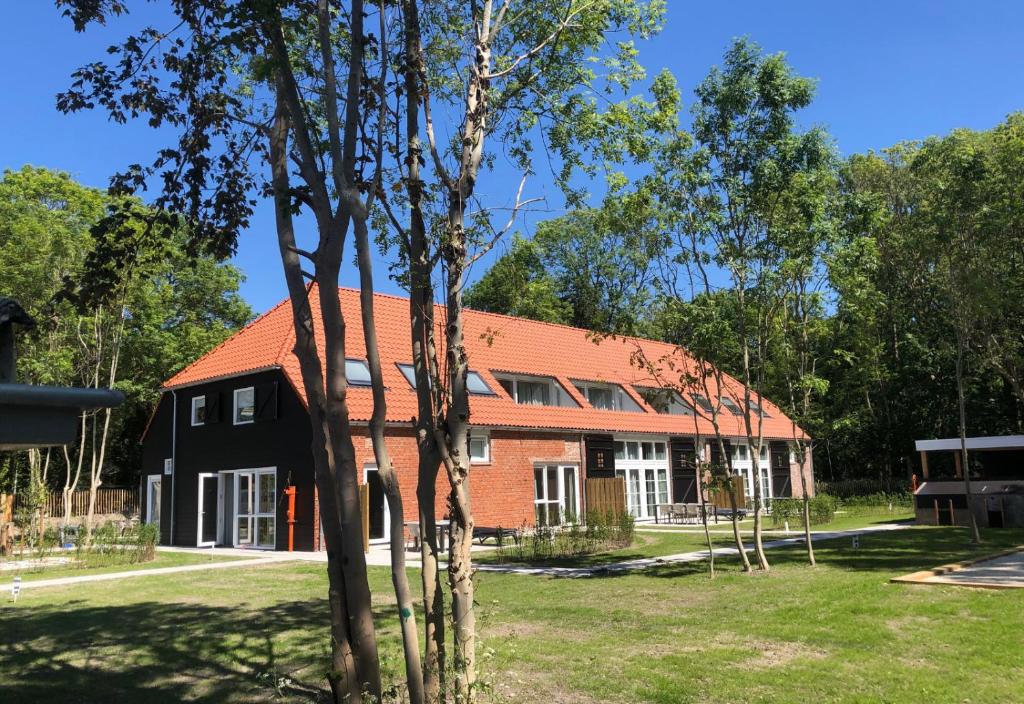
(822, 509)
(602, 531)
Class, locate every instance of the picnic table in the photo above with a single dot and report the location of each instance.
(443, 528)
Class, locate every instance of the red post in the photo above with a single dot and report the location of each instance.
(290, 493)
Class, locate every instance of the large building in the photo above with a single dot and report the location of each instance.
(550, 407)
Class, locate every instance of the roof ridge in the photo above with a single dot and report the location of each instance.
(520, 318)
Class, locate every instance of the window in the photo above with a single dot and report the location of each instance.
(740, 452)
(608, 397)
(556, 494)
(632, 450)
(168, 466)
(659, 451)
(764, 452)
(731, 406)
(357, 372)
(245, 405)
(198, 410)
(703, 402)
(479, 447)
(535, 391)
(620, 450)
(756, 408)
(256, 507)
(647, 450)
(664, 401)
(475, 383)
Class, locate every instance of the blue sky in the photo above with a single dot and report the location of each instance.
(886, 71)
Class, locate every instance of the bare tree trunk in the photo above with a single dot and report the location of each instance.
(424, 356)
(962, 405)
(354, 665)
(386, 472)
(802, 451)
(71, 485)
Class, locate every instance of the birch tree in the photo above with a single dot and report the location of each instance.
(479, 77)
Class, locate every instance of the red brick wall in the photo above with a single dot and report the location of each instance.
(502, 489)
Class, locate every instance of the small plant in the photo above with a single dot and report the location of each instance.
(543, 543)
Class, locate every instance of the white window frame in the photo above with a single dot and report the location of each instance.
(558, 397)
(480, 433)
(234, 410)
(637, 472)
(562, 466)
(620, 397)
(255, 473)
(150, 481)
(168, 466)
(195, 416)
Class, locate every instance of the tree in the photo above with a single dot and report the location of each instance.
(242, 86)
(592, 268)
(505, 75)
(520, 284)
(726, 192)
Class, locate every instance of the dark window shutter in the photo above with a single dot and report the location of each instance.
(266, 401)
(716, 456)
(683, 456)
(213, 408)
(600, 451)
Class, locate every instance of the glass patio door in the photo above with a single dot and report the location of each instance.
(255, 508)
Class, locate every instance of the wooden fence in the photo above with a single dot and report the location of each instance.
(606, 496)
(108, 501)
(721, 498)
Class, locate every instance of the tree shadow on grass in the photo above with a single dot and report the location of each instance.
(162, 652)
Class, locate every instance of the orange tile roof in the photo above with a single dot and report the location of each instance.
(495, 343)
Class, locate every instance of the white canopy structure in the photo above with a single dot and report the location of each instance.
(995, 442)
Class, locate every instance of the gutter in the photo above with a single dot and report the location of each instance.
(174, 459)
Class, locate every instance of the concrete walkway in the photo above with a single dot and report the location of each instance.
(379, 556)
(82, 579)
(1001, 571)
(696, 556)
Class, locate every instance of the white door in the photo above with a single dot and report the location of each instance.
(209, 503)
(153, 484)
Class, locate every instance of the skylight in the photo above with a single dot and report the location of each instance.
(475, 383)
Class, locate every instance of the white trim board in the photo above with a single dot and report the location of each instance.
(992, 442)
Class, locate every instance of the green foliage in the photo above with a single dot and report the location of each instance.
(601, 532)
(81, 262)
(822, 510)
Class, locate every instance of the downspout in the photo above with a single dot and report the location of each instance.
(174, 459)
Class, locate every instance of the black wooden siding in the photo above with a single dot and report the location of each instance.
(280, 437)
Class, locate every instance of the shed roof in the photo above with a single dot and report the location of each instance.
(989, 442)
(495, 343)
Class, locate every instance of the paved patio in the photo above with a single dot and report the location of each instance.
(998, 572)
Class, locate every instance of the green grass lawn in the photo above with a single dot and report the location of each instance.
(838, 633)
(656, 540)
(162, 559)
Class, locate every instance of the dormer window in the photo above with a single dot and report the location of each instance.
(535, 391)
(607, 397)
(475, 383)
(664, 401)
